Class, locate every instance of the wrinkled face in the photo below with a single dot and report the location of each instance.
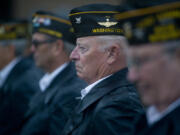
(42, 49)
(154, 73)
(89, 58)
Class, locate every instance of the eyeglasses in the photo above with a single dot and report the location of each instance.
(37, 43)
(137, 62)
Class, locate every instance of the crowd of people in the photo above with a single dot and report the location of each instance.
(103, 70)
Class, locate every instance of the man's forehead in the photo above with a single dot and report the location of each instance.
(89, 40)
(38, 35)
(144, 50)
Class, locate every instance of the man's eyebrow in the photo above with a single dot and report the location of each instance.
(78, 44)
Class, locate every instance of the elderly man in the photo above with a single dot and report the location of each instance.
(154, 64)
(18, 76)
(52, 42)
(109, 104)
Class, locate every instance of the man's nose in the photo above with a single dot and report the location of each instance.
(33, 48)
(74, 54)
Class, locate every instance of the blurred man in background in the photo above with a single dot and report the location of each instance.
(109, 104)
(52, 42)
(154, 59)
(18, 76)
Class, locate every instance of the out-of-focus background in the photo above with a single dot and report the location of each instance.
(23, 9)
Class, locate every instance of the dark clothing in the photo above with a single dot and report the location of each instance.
(17, 90)
(108, 109)
(49, 110)
(168, 125)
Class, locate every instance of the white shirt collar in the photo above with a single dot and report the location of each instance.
(153, 115)
(86, 90)
(48, 78)
(7, 69)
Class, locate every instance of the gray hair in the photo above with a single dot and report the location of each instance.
(108, 40)
(68, 47)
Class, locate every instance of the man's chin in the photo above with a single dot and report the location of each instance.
(146, 100)
(143, 87)
(38, 64)
(79, 74)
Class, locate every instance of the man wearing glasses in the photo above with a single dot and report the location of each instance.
(154, 60)
(52, 42)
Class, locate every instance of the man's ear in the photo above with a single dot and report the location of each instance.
(113, 54)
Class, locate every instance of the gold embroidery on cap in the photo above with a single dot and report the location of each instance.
(107, 23)
(51, 32)
(97, 30)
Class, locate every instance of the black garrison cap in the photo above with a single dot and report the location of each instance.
(13, 30)
(95, 19)
(53, 25)
(151, 22)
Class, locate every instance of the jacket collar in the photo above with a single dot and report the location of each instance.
(21, 65)
(49, 77)
(118, 79)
